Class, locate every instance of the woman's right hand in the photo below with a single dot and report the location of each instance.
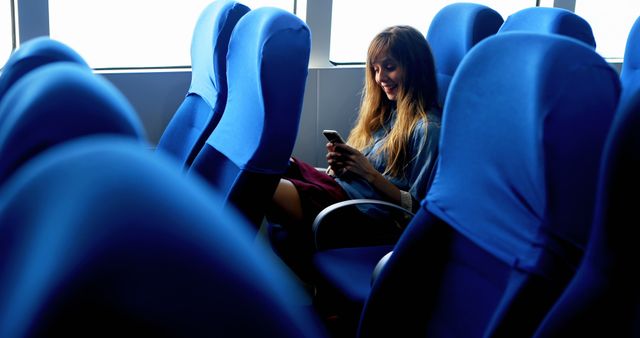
(334, 160)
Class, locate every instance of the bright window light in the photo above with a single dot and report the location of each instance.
(350, 35)
(133, 34)
(546, 3)
(6, 41)
(611, 22)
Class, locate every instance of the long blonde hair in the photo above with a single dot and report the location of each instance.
(417, 95)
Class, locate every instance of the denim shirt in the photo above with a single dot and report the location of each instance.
(423, 152)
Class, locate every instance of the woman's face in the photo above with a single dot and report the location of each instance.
(387, 75)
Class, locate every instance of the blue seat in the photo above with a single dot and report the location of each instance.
(507, 217)
(602, 300)
(550, 20)
(631, 65)
(249, 150)
(33, 54)
(451, 42)
(204, 103)
(101, 237)
(56, 103)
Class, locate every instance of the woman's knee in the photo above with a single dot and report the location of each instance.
(287, 201)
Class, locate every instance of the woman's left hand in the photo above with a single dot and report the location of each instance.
(355, 162)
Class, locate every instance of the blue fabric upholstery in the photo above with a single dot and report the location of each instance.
(349, 270)
(602, 300)
(425, 279)
(100, 237)
(451, 42)
(530, 181)
(550, 20)
(202, 108)
(56, 103)
(33, 54)
(342, 283)
(522, 136)
(631, 65)
(248, 151)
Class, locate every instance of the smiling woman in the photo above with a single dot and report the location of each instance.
(6, 40)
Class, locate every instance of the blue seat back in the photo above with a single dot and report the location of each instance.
(202, 108)
(631, 65)
(450, 43)
(550, 20)
(33, 54)
(250, 148)
(507, 218)
(102, 236)
(56, 103)
(602, 299)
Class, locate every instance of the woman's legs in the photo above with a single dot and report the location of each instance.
(286, 207)
(292, 240)
(300, 195)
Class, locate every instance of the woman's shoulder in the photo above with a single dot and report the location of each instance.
(431, 123)
(427, 131)
(434, 117)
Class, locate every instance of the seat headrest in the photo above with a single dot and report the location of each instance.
(450, 43)
(631, 63)
(550, 20)
(56, 103)
(33, 54)
(209, 47)
(522, 135)
(267, 66)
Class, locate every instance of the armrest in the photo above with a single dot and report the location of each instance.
(378, 269)
(344, 224)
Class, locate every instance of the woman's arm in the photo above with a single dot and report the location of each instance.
(342, 157)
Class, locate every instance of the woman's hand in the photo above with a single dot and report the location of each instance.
(342, 157)
(334, 160)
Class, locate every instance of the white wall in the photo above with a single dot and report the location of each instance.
(332, 98)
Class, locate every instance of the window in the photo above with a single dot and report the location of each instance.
(132, 34)
(6, 39)
(611, 23)
(351, 34)
(546, 3)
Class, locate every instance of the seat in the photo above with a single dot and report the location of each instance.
(33, 54)
(101, 237)
(249, 150)
(56, 103)
(507, 217)
(204, 103)
(631, 65)
(602, 299)
(550, 20)
(449, 43)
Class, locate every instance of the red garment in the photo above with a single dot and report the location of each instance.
(317, 190)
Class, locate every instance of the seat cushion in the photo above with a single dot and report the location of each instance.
(347, 271)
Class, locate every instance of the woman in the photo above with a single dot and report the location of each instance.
(391, 152)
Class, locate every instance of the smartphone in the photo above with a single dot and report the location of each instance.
(333, 136)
